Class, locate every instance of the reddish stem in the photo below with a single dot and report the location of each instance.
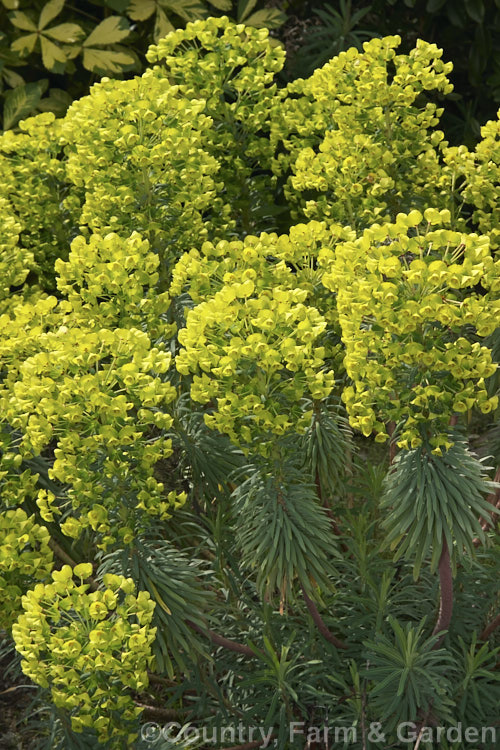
(219, 640)
(446, 594)
(318, 621)
(494, 624)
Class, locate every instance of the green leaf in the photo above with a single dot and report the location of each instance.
(434, 5)
(21, 101)
(106, 61)
(22, 21)
(270, 18)
(57, 101)
(245, 7)
(65, 32)
(162, 25)
(189, 10)
(109, 31)
(120, 6)
(221, 4)
(49, 12)
(140, 10)
(51, 53)
(10, 4)
(12, 78)
(25, 44)
(475, 10)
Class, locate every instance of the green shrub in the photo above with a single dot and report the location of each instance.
(221, 300)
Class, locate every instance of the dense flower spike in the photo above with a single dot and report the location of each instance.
(15, 262)
(258, 358)
(356, 138)
(482, 185)
(403, 311)
(233, 68)
(25, 557)
(32, 178)
(91, 387)
(136, 156)
(86, 647)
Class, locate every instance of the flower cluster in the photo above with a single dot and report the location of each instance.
(232, 67)
(111, 282)
(32, 178)
(407, 304)
(89, 649)
(87, 386)
(136, 160)
(15, 262)
(288, 261)
(482, 186)
(25, 557)
(258, 357)
(355, 135)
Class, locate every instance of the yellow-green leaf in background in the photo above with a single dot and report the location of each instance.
(49, 12)
(272, 18)
(10, 4)
(106, 61)
(71, 51)
(140, 10)
(245, 7)
(57, 101)
(109, 31)
(189, 10)
(51, 53)
(221, 4)
(25, 44)
(21, 101)
(22, 21)
(162, 25)
(65, 32)
(12, 78)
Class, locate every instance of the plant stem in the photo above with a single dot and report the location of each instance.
(318, 621)
(494, 624)
(219, 640)
(446, 594)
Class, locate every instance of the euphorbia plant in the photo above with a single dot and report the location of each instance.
(180, 360)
